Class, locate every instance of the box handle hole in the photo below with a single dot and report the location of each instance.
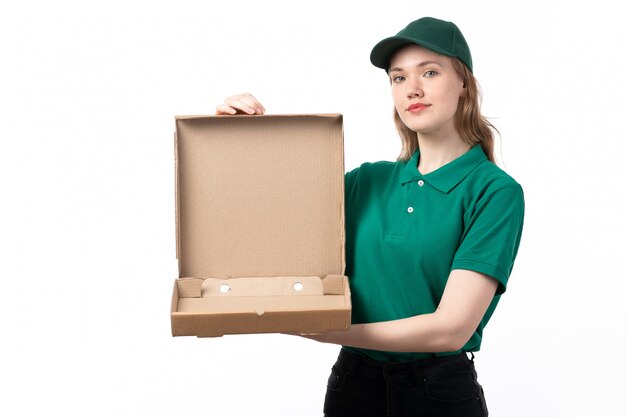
(298, 286)
(224, 288)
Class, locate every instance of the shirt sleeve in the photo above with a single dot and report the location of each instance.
(350, 180)
(492, 234)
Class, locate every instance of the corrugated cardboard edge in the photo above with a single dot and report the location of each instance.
(177, 199)
(174, 306)
(213, 116)
(343, 204)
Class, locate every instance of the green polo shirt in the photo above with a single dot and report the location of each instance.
(406, 231)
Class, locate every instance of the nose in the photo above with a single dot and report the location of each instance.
(414, 88)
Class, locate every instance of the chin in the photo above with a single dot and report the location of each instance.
(414, 125)
(417, 127)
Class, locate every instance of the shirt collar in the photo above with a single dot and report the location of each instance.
(448, 176)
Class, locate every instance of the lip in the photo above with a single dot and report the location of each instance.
(415, 107)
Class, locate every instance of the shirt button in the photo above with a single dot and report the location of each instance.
(410, 209)
(420, 183)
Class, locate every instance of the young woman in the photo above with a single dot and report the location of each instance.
(431, 239)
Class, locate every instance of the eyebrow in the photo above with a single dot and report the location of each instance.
(421, 64)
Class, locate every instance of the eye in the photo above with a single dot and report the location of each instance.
(398, 78)
(430, 73)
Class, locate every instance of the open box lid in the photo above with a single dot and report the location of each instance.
(260, 195)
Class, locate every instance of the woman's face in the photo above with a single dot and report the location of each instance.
(425, 89)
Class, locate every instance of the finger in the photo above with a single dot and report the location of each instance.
(225, 109)
(243, 104)
(248, 100)
(257, 104)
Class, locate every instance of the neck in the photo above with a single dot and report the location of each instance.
(436, 151)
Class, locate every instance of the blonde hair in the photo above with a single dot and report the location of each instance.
(473, 127)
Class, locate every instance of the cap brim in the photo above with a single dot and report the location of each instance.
(383, 51)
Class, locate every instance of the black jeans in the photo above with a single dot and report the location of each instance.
(435, 386)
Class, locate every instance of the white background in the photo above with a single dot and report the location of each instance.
(88, 95)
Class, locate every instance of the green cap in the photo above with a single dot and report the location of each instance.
(434, 34)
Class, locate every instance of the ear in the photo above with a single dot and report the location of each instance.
(463, 90)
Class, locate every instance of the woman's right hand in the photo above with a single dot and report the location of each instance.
(240, 104)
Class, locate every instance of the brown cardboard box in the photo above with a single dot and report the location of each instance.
(260, 225)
